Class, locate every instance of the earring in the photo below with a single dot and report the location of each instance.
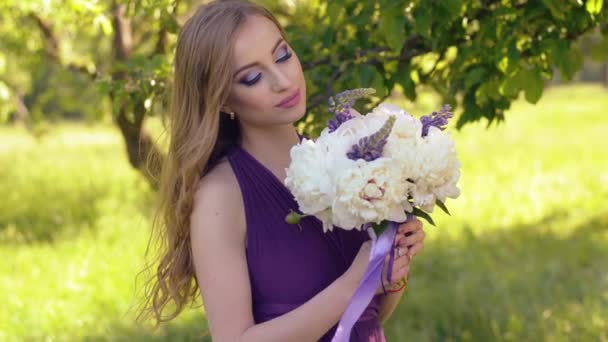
(231, 114)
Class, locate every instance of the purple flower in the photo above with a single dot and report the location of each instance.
(339, 118)
(341, 106)
(371, 147)
(436, 119)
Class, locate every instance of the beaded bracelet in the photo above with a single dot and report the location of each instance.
(402, 283)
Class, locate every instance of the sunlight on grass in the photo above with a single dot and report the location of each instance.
(522, 256)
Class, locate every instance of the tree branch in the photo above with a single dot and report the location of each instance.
(51, 43)
(161, 43)
(412, 47)
(123, 41)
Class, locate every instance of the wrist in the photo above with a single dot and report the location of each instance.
(399, 286)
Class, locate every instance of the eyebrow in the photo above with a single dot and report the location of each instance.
(276, 45)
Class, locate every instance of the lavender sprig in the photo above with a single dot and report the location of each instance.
(371, 147)
(436, 119)
(343, 103)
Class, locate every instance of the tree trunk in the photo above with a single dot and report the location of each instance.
(22, 116)
(143, 153)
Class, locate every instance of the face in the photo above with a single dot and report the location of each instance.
(268, 86)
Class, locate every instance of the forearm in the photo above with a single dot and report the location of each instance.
(308, 322)
(388, 304)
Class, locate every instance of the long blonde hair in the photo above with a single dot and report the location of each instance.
(199, 136)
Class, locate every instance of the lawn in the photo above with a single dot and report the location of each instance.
(523, 256)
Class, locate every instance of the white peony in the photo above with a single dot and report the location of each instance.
(406, 126)
(368, 192)
(438, 170)
(308, 178)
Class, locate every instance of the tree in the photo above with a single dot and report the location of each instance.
(96, 40)
(478, 55)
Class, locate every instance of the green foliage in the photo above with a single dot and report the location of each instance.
(479, 56)
(522, 256)
(476, 55)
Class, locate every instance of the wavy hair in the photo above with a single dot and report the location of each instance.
(199, 136)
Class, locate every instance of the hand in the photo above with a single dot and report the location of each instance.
(409, 241)
(411, 236)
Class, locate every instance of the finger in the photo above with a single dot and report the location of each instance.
(400, 251)
(410, 226)
(400, 274)
(401, 262)
(402, 228)
(415, 249)
(414, 238)
(399, 239)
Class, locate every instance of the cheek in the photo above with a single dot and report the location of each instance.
(253, 99)
(296, 70)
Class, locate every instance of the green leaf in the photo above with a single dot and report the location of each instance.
(453, 7)
(333, 10)
(513, 84)
(594, 6)
(328, 36)
(392, 26)
(513, 53)
(379, 228)
(170, 23)
(422, 21)
(503, 65)
(378, 84)
(442, 206)
(405, 79)
(567, 58)
(555, 8)
(533, 85)
(419, 213)
(474, 76)
(471, 111)
(367, 74)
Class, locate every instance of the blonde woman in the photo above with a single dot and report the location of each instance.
(238, 89)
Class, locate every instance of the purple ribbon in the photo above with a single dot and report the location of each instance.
(367, 288)
(381, 247)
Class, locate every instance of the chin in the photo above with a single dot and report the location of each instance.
(292, 115)
(299, 113)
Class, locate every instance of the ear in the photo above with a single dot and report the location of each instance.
(226, 109)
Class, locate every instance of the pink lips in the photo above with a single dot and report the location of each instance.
(291, 100)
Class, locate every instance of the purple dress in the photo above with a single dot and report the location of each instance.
(288, 265)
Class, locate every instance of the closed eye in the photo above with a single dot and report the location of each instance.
(252, 79)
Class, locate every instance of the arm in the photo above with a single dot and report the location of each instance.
(218, 247)
(388, 304)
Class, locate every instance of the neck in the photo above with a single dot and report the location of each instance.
(270, 145)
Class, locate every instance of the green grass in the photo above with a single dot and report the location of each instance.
(523, 256)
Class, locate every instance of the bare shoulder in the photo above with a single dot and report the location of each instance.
(218, 206)
(217, 232)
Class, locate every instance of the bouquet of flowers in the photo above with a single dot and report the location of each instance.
(370, 172)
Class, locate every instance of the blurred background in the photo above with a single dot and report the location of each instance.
(83, 87)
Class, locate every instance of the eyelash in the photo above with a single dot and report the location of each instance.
(287, 56)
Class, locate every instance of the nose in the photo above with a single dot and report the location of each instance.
(281, 80)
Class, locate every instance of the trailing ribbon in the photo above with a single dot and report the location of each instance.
(381, 247)
(367, 288)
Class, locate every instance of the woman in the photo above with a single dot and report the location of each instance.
(238, 89)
